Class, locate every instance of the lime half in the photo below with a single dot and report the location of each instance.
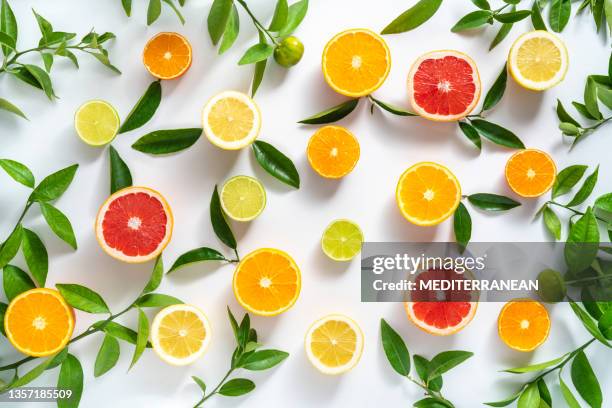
(342, 240)
(243, 198)
(96, 123)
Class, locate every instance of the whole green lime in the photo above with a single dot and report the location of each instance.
(551, 286)
(289, 52)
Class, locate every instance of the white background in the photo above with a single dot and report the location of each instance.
(293, 220)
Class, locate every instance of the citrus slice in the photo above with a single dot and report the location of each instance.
(334, 344)
(427, 194)
(342, 240)
(538, 60)
(39, 322)
(356, 62)
(96, 122)
(441, 313)
(523, 324)
(530, 172)
(231, 120)
(333, 151)
(180, 334)
(134, 224)
(267, 282)
(243, 198)
(444, 86)
(167, 55)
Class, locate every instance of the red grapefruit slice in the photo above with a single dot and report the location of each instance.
(444, 86)
(134, 224)
(446, 317)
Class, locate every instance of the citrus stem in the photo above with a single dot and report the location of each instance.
(13, 60)
(559, 366)
(428, 391)
(21, 217)
(576, 212)
(214, 391)
(258, 25)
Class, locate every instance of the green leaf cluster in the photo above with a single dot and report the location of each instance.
(154, 9)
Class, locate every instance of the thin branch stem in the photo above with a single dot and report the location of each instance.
(214, 391)
(576, 212)
(258, 25)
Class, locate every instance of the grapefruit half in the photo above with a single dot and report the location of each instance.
(444, 86)
(134, 224)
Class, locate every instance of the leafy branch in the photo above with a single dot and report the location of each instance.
(155, 8)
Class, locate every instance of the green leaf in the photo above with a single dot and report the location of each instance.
(497, 134)
(58, 359)
(31, 375)
(462, 226)
(482, 4)
(3, 307)
(472, 20)
(496, 92)
(564, 116)
(567, 178)
(297, 12)
(219, 223)
(217, 19)
(582, 243)
(585, 191)
(127, 7)
(503, 32)
(70, 378)
(144, 109)
(236, 387)
(103, 59)
(120, 175)
(536, 17)
(18, 172)
(432, 402)
(276, 163)
(142, 337)
(153, 11)
(505, 402)
(53, 186)
(258, 74)
(608, 14)
(15, 281)
(512, 17)
(200, 383)
(604, 202)
(233, 323)
(279, 19)
(422, 367)
(589, 324)
(108, 355)
(156, 276)
(47, 60)
(530, 398)
(395, 349)
(590, 99)
(471, 133)
(45, 27)
(585, 380)
(36, 256)
(244, 331)
(396, 110)
(581, 108)
(492, 202)
(256, 53)
(559, 14)
(167, 141)
(263, 359)
(43, 79)
(10, 247)
(82, 298)
(197, 255)
(231, 31)
(157, 300)
(552, 222)
(5, 105)
(605, 324)
(24, 75)
(536, 367)
(567, 394)
(170, 3)
(545, 396)
(118, 331)
(410, 19)
(332, 114)
(59, 223)
(446, 361)
(8, 24)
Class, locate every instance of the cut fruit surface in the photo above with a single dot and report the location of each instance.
(530, 172)
(180, 334)
(167, 55)
(267, 282)
(96, 122)
(39, 322)
(444, 86)
(356, 62)
(523, 324)
(231, 120)
(134, 224)
(342, 240)
(427, 193)
(538, 60)
(243, 198)
(333, 151)
(334, 344)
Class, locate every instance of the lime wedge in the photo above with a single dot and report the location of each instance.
(96, 123)
(342, 240)
(243, 198)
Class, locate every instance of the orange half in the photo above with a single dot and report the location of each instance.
(523, 324)
(333, 151)
(167, 55)
(530, 172)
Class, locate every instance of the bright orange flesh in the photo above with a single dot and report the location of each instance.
(39, 322)
(267, 282)
(530, 172)
(167, 55)
(333, 151)
(523, 324)
(356, 62)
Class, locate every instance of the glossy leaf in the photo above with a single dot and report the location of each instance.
(279, 18)
(8, 24)
(471, 133)
(153, 11)
(590, 99)
(157, 300)
(15, 281)
(604, 202)
(422, 367)
(497, 134)
(256, 53)
(142, 336)
(42, 78)
(446, 361)
(236, 387)
(552, 222)
(108, 355)
(82, 298)
(332, 114)
(54, 185)
(503, 32)
(59, 223)
(8, 106)
(120, 175)
(582, 243)
(410, 19)
(167, 141)
(219, 223)
(585, 380)
(536, 367)
(564, 116)
(70, 378)
(18, 172)
(589, 324)
(263, 359)
(567, 394)
(536, 17)
(395, 349)
(513, 16)
(492, 202)
(31, 375)
(276, 163)
(473, 20)
(530, 398)
(567, 179)
(10, 247)
(231, 31)
(495, 94)
(35, 255)
(295, 16)
(156, 276)
(197, 255)
(462, 226)
(144, 109)
(585, 190)
(217, 19)
(396, 110)
(559, 14)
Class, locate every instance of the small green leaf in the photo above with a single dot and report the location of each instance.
(200, 383)
(563, 116)
(395, 349)
(512, 17)
(167, 141)
(256, 53)
(82, 298)
(127, 7)
(536, 367)
(567, 179)
(36, 256)
(120, 175)
(18, 172)
(446, 361)
(608, 14)
(197, 255)
(10, 247)
(582, 243)
(157, 300)
(332, 114)
(552, 222)
(604, 202)
(43, 79)
(505, 402)
(54, 185)
(422, 367)
(170, 3)
(153, 11)
(589, 324)
(5, 105)
(263, 359)
(45, 27)
(545, 396)
(47, 60)
(217, 19)
(492, 202)
(276, 163)
(142, 337)
(410, 19)
(103, 59)
(70, 378)
(236, 387)
(219, 223)
(432, 402)
(559, 14)
(31, 375)
(258, 74)
(567, 394)
(585, 191)
(581, 108)
(503, 32)
(585, 380)
(462, 226)
(471, 133)
(244, 331)
(231, 31)
(108, 355)
(530, 398)
(3, 307)
(233, 323)
(8, 24)
(496, 92)
(590, 99)
(605, 324)
(118, 331)
(297, 12)
(396, 110)
(497, 134)
(59, 223)
(482, 4)
(536, 17)
(144, 109)
(473, 20)
(279, 18)
(156, 276)
(15, 281)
